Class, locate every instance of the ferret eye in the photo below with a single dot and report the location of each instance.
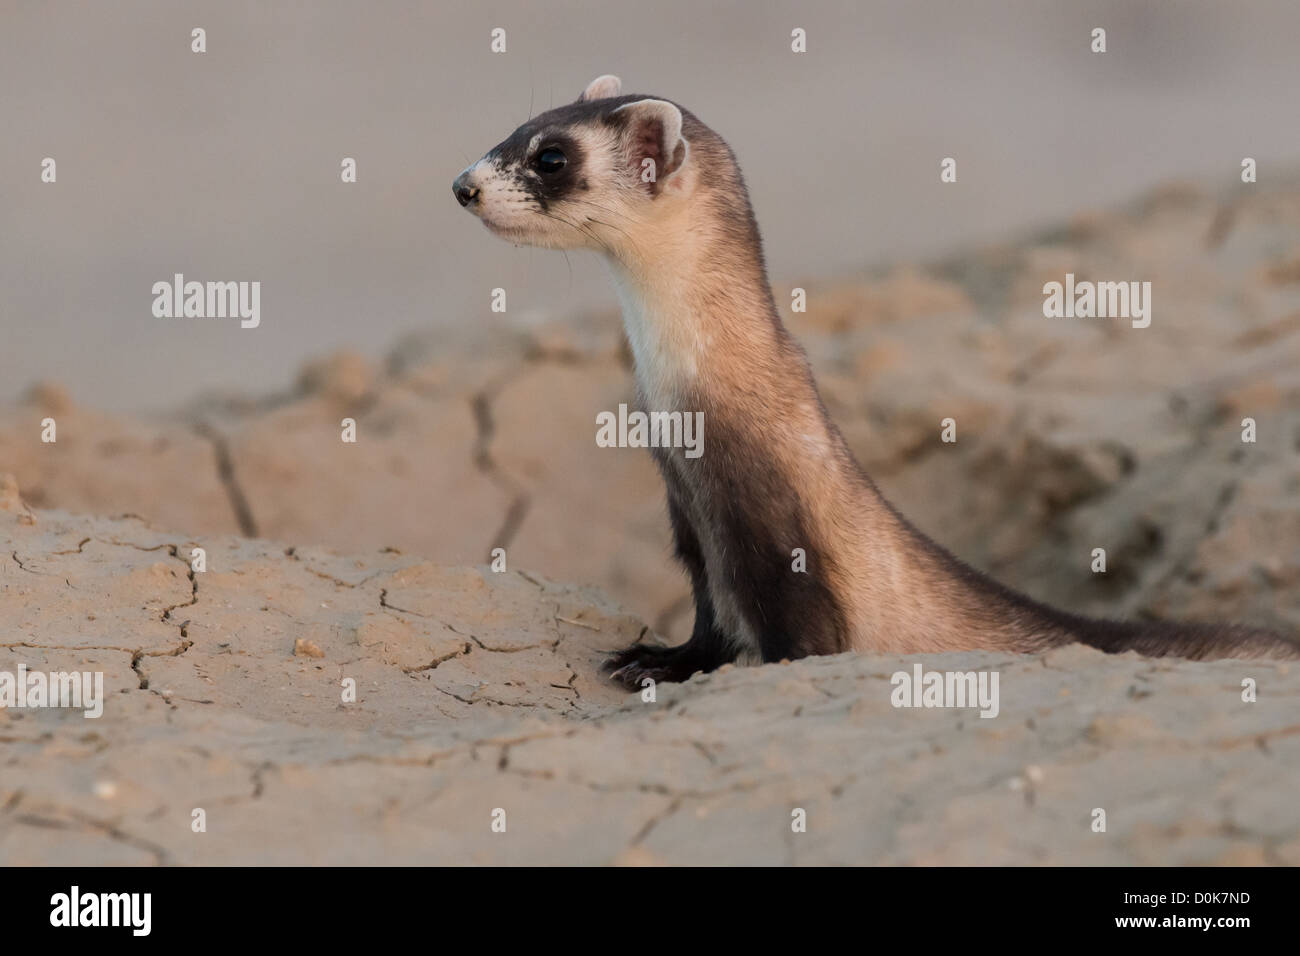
(551, 160)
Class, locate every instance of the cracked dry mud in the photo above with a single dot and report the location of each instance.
(480, 690)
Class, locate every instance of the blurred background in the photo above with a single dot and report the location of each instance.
(225, 165)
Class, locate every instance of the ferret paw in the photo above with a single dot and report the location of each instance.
(632, 666)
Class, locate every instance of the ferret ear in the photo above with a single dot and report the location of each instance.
(601, 88)
(653, 140)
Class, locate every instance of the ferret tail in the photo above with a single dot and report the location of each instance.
(1197, 642)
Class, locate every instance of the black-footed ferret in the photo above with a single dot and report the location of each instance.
(644, 182)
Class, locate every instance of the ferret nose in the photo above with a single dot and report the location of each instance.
(465, 193)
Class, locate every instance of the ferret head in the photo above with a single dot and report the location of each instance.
(598, 174)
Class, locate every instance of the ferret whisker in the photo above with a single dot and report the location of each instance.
(610, 225)
(591, 202)
(585, 232)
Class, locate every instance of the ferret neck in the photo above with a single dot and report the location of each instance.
(695, 300)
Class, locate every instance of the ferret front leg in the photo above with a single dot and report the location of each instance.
(707, 649)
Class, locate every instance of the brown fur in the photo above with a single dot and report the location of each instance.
(776, 474)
